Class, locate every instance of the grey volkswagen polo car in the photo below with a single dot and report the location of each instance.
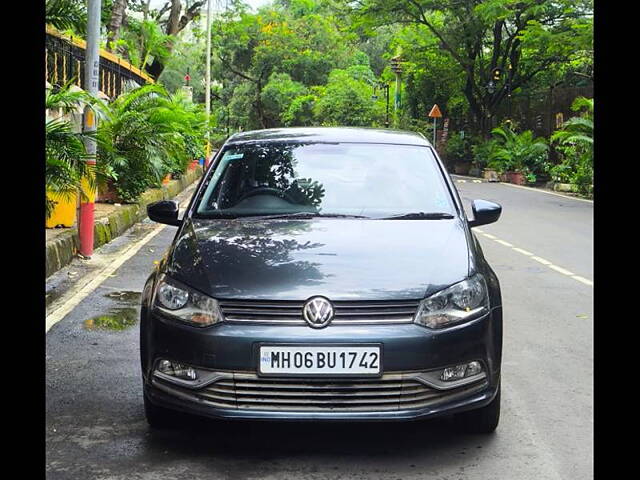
(323, 274)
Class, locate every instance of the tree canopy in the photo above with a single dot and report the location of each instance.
(324, 62)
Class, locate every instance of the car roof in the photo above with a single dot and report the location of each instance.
(331, 135)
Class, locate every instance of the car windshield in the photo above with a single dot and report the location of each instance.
(326, 179)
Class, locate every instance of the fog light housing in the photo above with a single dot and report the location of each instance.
(176, 370)
(458, 372)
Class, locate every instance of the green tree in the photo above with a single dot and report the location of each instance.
(187, 56)
(144, 41)
(522, 38)
(277, 95)
(347, 101)
(249, 48)
(300, 112)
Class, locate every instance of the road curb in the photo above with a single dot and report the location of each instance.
(61, 250)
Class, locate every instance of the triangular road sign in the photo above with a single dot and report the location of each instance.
(435, 112)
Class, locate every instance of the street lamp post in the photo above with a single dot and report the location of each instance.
(386, 92)
(91, 84)
(207, 88)
(396, 66)
(510, 74)
(385, 87)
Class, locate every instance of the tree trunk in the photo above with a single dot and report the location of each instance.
(145, 12)
(118, 13)
(175, 24)
(174, 17)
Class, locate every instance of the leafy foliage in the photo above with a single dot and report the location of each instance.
(66, 14)
(519, 152)
(278, 94)
(347, 101)
(575, 144)
(144, 41)
(148, 134)
(297, 39)
(523, 38)
(459, 148)
(65, 151)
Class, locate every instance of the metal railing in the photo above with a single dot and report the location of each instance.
(64, 61)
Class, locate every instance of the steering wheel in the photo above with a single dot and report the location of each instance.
(267, 191)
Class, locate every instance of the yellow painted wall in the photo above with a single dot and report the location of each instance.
(64, 212)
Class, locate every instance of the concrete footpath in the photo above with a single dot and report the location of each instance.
(110, 222)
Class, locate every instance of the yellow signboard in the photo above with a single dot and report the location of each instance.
(435, 112)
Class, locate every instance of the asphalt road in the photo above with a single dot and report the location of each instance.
(95, 426)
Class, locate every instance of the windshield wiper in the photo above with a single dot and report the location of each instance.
(302, 215)
(420, 216)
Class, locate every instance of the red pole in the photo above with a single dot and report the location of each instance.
(86, 228)
(91, 71)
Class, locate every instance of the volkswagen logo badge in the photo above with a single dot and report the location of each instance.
(318, 312)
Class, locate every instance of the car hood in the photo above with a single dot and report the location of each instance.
(342, 259)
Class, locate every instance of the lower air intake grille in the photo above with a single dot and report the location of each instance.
(391, 392)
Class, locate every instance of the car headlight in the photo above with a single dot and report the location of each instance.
(458, 303)
(176, 300)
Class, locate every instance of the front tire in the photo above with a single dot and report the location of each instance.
(158, 417)
(481, 420)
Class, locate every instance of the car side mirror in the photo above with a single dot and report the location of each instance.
(164, 211)
(484, 212)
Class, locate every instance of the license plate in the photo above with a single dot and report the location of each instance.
(320, 360)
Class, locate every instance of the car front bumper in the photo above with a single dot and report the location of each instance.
(472, 397)
(408, 349)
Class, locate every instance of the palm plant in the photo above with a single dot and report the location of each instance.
(66, 14)
(65, 151)
(149, 133)
(519, 152)
(578, 130)
(575, 144)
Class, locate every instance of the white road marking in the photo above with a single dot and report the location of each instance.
(69, 301)
(583, 280)
(561, 270)
(62, 311)
(541, 260)
(502, 242)
(548, 193)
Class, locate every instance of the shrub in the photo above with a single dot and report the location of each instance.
(482, 152)
(519, 152)
(65, 151)
(575, 144)
(458, 148)
(149, 134)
